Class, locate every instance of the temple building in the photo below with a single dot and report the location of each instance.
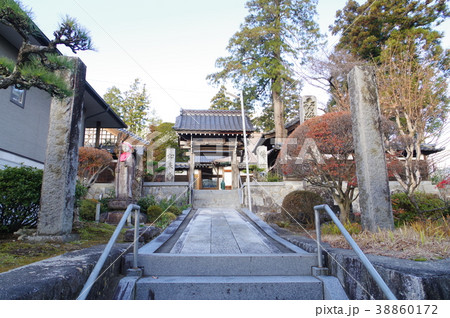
(214, 143)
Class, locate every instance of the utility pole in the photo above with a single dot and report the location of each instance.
(244, 131)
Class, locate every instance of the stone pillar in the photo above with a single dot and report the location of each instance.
(371, 171)
(261, 152)
(140, 150)
(234, 171)
(61, 163)
(139, 176)
(82, 127)
(170, 165)
(191, 169)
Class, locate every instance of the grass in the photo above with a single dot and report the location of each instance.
(14, 253)
(419, 241)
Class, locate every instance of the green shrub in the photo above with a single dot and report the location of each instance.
(104, 204)
(145, 202)
(87, 209)
(153, 212)
(174, 209)
(20, 194)
(80, 192)
(300, 205)
(166, 203)
(165, 220)
(274, 177)
(430, 205)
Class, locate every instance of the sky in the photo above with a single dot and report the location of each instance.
(170, 45)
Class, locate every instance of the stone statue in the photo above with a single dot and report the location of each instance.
(125, 172)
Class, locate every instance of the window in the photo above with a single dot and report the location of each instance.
(18, 96)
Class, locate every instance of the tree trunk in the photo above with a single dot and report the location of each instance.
(277, 84)
(344, 207)
(278, 110)
(344, 204)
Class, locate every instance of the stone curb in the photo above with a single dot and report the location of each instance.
(62, 277)
(407, 279)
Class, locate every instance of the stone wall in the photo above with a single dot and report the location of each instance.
(166, 190)
(424, 186)
(63, 277)
(268, 196)
(407, 279)
(107, 189)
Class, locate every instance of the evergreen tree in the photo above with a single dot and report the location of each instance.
(366, 29)
(132, 105)
(166, 138)
(36, 65)
(274, 35)
(221, 101)
(412, 72)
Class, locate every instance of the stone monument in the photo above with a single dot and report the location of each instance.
(170, 165)
(125, 174)
(61, 161)
(261, 153)
(308, 108)
(371, 171)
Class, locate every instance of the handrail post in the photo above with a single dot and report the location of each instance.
(136, 237)
(318, 237)
(367, 264)
(97, 208)
(101, 261)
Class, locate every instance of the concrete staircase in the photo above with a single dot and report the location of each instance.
(286, 273)
(216, 198)
(250, 277)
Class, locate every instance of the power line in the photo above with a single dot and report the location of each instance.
(127, 53)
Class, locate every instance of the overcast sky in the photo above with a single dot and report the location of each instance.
(170, 45)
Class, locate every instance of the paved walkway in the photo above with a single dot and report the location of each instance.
(222, 231)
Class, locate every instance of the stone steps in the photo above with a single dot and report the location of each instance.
(284, 271)
(292, 264)
(216, 198)
(229, 288)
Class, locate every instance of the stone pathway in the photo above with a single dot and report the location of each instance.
(222, 231)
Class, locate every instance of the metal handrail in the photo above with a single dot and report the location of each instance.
(101, 261)
(367, 264)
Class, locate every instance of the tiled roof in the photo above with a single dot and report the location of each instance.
(211, 121)
(129, 133)
(287, 125)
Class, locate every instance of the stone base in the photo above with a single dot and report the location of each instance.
(119, 204)
(53, 238)
(146, 234)
(319, 271)
(114, 217)
(111, 217)
(134, 272)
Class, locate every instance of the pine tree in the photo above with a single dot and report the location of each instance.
(37, 65)
(274, 35)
